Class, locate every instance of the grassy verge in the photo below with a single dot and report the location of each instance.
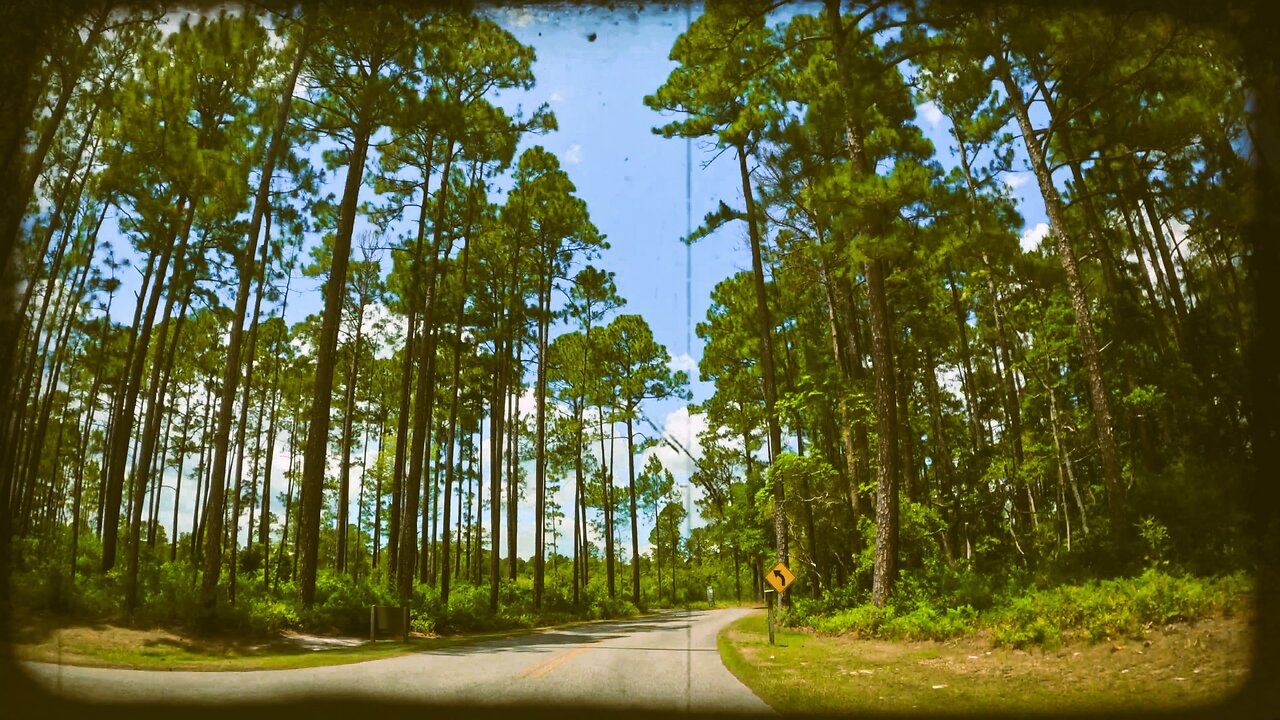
(1174, 667)
(109, 646)
(117, 647)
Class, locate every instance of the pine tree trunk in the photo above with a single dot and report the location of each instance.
(231, 373)
(1111, 472)
(457, 555)
(315, 458)
(1147, 202)
(288, 500)
(579, 523)
(264, 527)
(539, 444)
(433, 572)
(497, 414)
(1064, 459)
(151, 424)
(69, 75)
(906, 369)
(243, 425)
(765, 328)
(456, 391)
(56, 219)
(967, 380)
(60, 332)
(159, 463)
(177, 480)
(853, 468)
(945, 469)
(886, 552)
(606, 480)
(631, 495)
(1158, 310)
(806, 504)
(875, 270)
(1012, 406)
(16, 452)
(402, 440)
(124, 422)
(424, 397)
(657, 556)
(201, 469)
(164, 392)
(92, 400)
(513, 427)
(377, 497)
(348, 416)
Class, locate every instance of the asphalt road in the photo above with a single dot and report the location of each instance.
(669, 662)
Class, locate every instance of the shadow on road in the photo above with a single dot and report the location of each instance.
(589, 635)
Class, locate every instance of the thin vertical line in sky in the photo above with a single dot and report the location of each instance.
(688, 248)
(688, 348)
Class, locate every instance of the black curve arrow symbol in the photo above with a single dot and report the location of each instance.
(781, 578)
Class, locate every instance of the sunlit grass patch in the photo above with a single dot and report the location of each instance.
(1176, 667)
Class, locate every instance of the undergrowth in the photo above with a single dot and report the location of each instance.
(169, 596)
(1021, 615)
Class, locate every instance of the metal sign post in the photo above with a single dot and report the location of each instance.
(768, 601)
(781, 579)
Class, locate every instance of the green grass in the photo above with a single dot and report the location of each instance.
(156, 651)
(804, 672)
(108, 646)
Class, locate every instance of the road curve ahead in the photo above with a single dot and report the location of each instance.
(669, 662)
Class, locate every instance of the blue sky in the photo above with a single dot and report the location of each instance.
(634, 184)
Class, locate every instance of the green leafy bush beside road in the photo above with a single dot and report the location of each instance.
(1019, 616)
(170, 599)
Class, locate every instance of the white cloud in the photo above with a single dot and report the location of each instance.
(556, 97)
(683, 429)
(301, 345)
(391, 338)
(684, 362)
(527, 404)
(930, 113)
(1031, 239)
(519, 17)
(1016, 179)
(574, 155)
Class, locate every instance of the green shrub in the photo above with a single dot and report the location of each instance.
(863, 620)
(272, 616)
(468, 610)
(421, 622)
(343, 604)
(606, 608)
(168, 595)
(926, 623)
(1121, 607)
(1023, 613)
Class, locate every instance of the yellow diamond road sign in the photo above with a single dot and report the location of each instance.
(780, 577)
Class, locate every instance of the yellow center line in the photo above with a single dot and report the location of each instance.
(546, 666)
